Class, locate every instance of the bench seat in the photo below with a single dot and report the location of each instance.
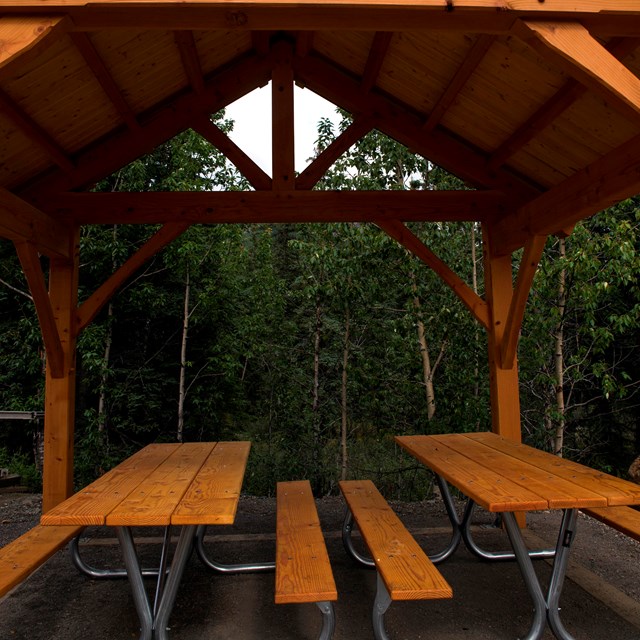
(404, 570)
(303, 570)
(623, 519)
(20, 558)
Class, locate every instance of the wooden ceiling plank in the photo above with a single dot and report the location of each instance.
(320, 165)
(412, 243)
(528, 265)
(257, 178)
(190, 59)
(92, 306)
(403, 125)
(22, 35)
(586, 60)
(35, 133)
(83, 43)
(282, 114)
(568, 94)
(375, 60)
(270, 206)
(30, 261)
(22, 222)
(610, 179)
(176, 115)
(464, 72)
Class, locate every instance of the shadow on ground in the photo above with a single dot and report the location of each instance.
(600, 599)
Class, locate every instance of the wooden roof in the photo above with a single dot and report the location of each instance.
(534, 103)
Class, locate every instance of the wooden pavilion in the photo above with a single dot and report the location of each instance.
(535, 104)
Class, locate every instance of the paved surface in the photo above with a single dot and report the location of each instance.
(490, 601)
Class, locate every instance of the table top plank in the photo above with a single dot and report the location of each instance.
(487, 488)
(213, 495)
(616, 491)
(155, 499)
(560, 493)
(90, 505)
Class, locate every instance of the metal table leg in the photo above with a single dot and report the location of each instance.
(250, 567)
(154, 624)
(545, 609)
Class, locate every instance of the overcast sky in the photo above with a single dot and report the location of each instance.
(252, 129)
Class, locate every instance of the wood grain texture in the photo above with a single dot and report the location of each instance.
(623, 519)
(405, 569)
(490, 489)
(20, 558)
(303, 570)
(155, 499)
(615, 490)
(90, 505)
(213, 495)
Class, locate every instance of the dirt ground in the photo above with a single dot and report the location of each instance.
(601, 598)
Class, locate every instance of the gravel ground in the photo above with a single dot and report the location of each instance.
(600, 600)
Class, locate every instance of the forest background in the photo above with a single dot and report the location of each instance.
(321, 342)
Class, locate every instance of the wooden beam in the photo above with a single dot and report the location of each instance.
(257, 178)
(92, 306)
(190, 59)
(359, 128)
(91, 56)
(583, 57)
(605, 182)
(412, 243)
(405, 126)
(267, 206)
(282, 118)
(22, 222)
(503, 381)
(464, 72)
(375, 59)
(59, 403)
(35, 133)
(30, 262)
(23, 35)
(528, 267)
(120, 148)
(567, 95)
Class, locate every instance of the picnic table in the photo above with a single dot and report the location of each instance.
(189, 485)
(508, 478)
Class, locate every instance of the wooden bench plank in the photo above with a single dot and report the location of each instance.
(303, 570)
(624, 519)
(616, 491)
(88, 506)
(155, 499)
(213, 496)
(20, 558)
(560, 493)
(407, 572)
(488, 489)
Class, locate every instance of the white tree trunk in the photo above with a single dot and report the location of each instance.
(183, 360)
(558, 441)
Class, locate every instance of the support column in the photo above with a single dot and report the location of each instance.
(505, 394)
(60, 391)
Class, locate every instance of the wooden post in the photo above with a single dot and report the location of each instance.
(505, 397)
(60, 392)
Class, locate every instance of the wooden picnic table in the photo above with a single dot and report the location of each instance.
(189, 485)
(507, 478)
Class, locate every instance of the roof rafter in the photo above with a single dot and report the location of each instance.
(101, 160)
(572, 47)
(103, 76)
(273, 206)
(375, 60)
(186, 44)
(35, 133)
(567, 95)
(464, 72)
(405, 126)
